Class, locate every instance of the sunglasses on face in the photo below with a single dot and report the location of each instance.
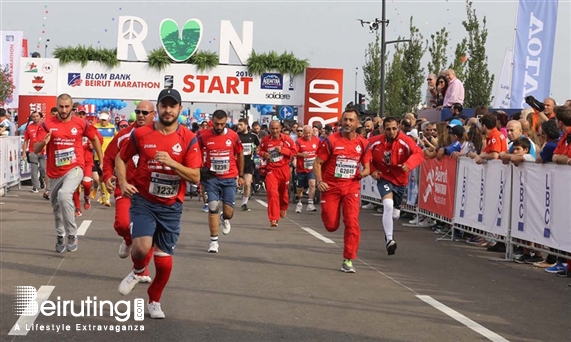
(144, 112)
(123, 126)
(429, 79)
(300, 130)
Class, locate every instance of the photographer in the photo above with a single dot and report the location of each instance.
(6, 127)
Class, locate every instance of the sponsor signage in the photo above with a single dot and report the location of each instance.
(323, 96)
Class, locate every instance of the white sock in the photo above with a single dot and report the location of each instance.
(310, 201)
(244, 200)
(396, 214)
(388, 218)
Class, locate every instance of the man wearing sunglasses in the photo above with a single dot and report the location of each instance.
(224, 162)
(145, 114)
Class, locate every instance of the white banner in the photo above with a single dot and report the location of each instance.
(10, 151)
(39, 76)
(541, 204)
(369, 188)
(11, 43)
(502, 93)
(483, 196)
(222, 84)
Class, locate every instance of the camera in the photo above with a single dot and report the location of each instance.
(374, 26)
(534, 103)
(420, 135)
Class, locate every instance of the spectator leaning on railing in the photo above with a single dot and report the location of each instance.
(549, 134)
(562, 153)
(495, 141)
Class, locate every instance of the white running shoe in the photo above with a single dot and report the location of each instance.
(145, 279)
(368, 206)
(155, 310)
(124, 250)
(226, 226)
(128, 284)
(414, 220)
(311, 207)
(298, 207)
(213, 247)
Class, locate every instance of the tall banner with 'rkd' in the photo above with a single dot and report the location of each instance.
(436, 191)
(533, 55)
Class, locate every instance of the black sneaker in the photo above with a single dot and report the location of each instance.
(391, 247)
(498, 247)
(42, 185)
(533, 259)
(245, 207)
(522, 258)
(564, 274)
(34, 190)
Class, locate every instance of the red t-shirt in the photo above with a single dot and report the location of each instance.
(88, 149)
(220, 152)
(496, 142)
(30, 135)
(562, 146)
(306, 146)
(156, 182)
(64, 149)
(113, 149)
(388, 155)
(342, 158)
(278, 159)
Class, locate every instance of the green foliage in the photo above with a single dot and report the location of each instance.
(372, 73)
(286, 63)
(458, 65)
(81, 54)
(204, 60)
(6, 84)
(437, 50)
(405, 76)
(477, 82)
(158, 59)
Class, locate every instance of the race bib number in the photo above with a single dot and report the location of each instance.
(345, 168)
(65, 157)
(247, 149)
(163, 185)
(308, 163)
(275, 156)
(220, 165)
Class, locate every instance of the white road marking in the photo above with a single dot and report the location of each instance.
(490, 335)
(83, 227)
(27, 321)
(317, 235)
(262, 203)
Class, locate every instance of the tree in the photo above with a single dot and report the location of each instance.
(394, 83)
(6, 84)
(413, 72)
(478, 82)
(437, 50)
(372, 73)
(459, 58)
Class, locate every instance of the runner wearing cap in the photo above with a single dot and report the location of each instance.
(108, 131)
(169, 156)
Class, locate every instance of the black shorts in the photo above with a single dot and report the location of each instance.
(97, 168)
(385, 187)
(249, 167)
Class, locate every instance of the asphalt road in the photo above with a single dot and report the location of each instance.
(279, 284)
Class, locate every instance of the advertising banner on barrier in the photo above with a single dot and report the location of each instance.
(369, 188)
(323, 96)
(483, 196)
(437, 179)
(222, 84)
(10, 56)
(541, 204)
(12, 155)
(412, 187)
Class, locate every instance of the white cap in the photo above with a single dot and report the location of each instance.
(103, 116)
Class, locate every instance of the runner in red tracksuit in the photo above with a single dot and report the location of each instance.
(338, 176)
(87, 180)
(277, 149)
(394, 155)
(145, 114)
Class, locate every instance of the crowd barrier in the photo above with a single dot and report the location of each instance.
(10, 152)
(519, 205)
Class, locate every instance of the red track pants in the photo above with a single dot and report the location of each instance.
(122, 223)
(277, 183)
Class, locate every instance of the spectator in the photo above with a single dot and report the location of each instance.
(549, 133)
(515, 132)
(441, 89)
(495, 141)
(480, 111)
(568, 103)
(442, 139)
(502, 120)
(431, 93)
(327, 131)
(458, 137)
(562, 153)
(369, 127)
(455, 92)
(521, 148)
(456, 110)
(6, 127)
(549, 105)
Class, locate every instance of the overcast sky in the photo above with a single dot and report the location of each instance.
(325, 32)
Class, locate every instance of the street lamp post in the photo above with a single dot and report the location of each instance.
(46, 49)
(356, 99)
